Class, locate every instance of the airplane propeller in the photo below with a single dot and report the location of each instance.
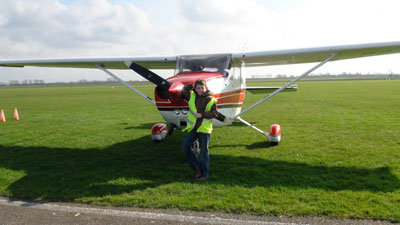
(163, 85)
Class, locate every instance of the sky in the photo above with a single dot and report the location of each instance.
(108, 28)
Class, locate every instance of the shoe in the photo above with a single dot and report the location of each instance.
(202, 178)
(197, 173)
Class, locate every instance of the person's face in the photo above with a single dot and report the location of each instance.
(200, 89)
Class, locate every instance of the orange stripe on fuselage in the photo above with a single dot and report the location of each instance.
(230, 97)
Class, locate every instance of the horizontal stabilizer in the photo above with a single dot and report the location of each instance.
(266, 90)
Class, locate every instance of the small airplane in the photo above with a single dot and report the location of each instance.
(224, 73)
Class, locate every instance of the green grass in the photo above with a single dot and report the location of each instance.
(339, 156)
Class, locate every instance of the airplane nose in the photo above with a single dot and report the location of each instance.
(175, 91)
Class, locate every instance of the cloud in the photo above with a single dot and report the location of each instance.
(219, 12)
(49, 27)
(221, 26)
(105, 28)
(341, 22)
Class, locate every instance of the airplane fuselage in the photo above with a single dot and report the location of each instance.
(228, 91)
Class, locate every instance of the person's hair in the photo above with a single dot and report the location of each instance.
(200, 82)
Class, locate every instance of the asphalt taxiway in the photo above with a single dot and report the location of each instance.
(22, 212)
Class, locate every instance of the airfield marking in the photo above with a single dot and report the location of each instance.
(133, 214)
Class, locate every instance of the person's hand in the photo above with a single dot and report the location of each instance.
(198, 115)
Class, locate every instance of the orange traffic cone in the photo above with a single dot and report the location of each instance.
(2, 117)
(16, 117)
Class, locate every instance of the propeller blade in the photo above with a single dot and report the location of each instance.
(150, 76)
(162, 84)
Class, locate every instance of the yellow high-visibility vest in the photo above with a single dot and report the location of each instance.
(206, 125)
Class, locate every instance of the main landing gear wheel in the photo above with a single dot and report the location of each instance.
(159, 131)
(274, 135)
(274, 143)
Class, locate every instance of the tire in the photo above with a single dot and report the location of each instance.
(274, 143)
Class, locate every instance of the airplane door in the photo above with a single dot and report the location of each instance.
(242, 76)
(235, 77)
(238, 77)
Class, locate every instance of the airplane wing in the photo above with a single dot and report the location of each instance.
(108, 63)
(309, 55)
(263, 58)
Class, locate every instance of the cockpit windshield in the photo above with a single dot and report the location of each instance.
(204, 63)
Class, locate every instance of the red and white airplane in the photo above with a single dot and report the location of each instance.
(224, 74)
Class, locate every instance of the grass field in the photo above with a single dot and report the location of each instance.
(339, 156)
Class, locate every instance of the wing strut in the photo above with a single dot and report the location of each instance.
(126, 84)
(252, 126)
(285, 86)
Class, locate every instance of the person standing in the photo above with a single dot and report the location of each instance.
(202, 108)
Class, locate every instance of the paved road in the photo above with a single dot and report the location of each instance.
(20, 212)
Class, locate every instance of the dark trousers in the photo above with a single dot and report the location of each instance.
(203, 162)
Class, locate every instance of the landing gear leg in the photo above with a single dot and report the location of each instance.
(171, 129)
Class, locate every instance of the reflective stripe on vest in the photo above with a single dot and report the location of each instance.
(206, 125)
